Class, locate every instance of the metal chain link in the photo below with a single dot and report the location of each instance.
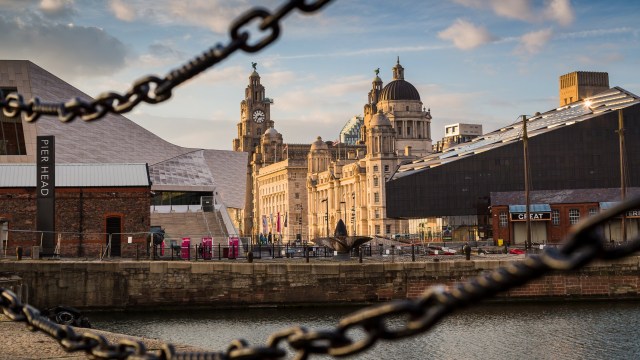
(152, 89)
(584, 244)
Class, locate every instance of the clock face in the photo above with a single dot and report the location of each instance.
(258, 116)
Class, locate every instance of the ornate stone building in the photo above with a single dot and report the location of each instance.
(397, 128)
(312, 186)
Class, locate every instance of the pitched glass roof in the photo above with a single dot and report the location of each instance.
(610, 100)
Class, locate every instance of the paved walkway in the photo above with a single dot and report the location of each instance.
(18, 343)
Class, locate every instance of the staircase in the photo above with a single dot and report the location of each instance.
(194, 225)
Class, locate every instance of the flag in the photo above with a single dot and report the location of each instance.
(335, 142)
(278, 223)
(284, 149)
(265, 229)
(271, 222)
(286, 215)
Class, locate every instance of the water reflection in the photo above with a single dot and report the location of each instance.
(492, 331)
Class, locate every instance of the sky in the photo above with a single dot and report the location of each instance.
(472, 61)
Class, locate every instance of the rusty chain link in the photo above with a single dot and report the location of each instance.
(152, 89)
(584, 244)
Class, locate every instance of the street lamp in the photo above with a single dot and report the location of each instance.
(326, 214)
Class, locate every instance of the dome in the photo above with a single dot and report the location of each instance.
(273, 133)
(319, 145)
(379, 120)
(399, 90)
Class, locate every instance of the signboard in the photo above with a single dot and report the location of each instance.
(45, 192)
(633, 214)
(534, 216)
(446, 233)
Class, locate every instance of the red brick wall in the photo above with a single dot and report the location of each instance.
(79, 211)
(555, 233)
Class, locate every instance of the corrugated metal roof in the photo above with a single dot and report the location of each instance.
(77, 175)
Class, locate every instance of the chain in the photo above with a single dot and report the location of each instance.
(584, 244)
(152, 89)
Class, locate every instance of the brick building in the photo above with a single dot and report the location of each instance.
(553, 213)
(94, 204)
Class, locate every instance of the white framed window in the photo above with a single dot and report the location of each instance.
(377, 213)
(593, 211)
(376, 197)
(555, 217)
(375, 181)
(502, 217)
(574, 216)
(377, 227)
(375, 168)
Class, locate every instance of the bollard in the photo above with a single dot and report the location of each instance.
(306, 253)
(393, 253)
(467, 251)
(413, 253)
(360, 256)
(19, 252)
(250, 257)
(137, 253)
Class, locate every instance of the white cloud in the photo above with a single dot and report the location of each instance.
(466, 35)
(122, 10)
(57, 8)
(559, 11)
(533, 42)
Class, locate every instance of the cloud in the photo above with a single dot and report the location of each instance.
(122, 10)
(466, 35)
(57, 9)
(559, 11)
(533, 42)
(66, 50)
(215, 15)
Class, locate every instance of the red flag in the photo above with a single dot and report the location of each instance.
(278, 223)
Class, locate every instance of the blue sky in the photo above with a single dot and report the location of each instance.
(473, 61)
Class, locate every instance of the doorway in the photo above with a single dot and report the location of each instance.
(114, 230)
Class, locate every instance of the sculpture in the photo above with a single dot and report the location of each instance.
(341, 242)
(254, 65)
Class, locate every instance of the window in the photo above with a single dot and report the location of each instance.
(574, 216)
(377, 214)
(388, 229)
(555, 217)
(503, 219)
(376, 197)
(11, 133)
(407, 108)
(386, 168)
(375, 181)
(297, 195)
(593, 211)
(408, 130)
(375, 168)
(377, 229)
(259, 131)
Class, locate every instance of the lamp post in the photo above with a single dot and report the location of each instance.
(353, 213)
(326, 214)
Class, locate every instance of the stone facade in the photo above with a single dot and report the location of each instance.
(131, 285)
(80, 220)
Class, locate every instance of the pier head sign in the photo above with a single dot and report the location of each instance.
(45, 191)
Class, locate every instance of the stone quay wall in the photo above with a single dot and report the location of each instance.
(165, 284)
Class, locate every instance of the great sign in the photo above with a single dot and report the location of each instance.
(534, 216)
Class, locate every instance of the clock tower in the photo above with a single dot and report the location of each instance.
(255, 119)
